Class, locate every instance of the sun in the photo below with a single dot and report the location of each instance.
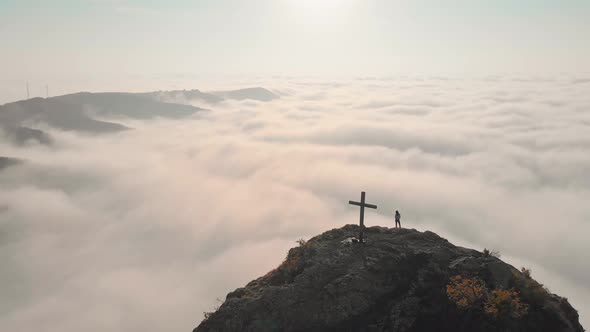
(320, 9)
(320, 4)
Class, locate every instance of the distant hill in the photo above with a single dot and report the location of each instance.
(82, 111)
(76, 112)
(135, 106)
(20, 135)
(5, 162)
(184, 96)
(257, 93)
(260, 94)
(55, 113)
(401, 280)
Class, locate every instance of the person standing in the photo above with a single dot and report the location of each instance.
(398, 218)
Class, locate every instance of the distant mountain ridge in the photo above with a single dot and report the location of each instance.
(5, 162)
(184, 96)
(79, 111)
(20, 135)
(400, 280)
(256, 93)
(134, 106)
(53, 112)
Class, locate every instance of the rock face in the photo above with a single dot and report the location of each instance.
(398, 281)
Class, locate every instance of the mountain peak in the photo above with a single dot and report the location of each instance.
(399, 280)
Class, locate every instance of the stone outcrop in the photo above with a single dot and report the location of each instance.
(396, 281)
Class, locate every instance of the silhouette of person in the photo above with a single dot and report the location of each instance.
(398, 218)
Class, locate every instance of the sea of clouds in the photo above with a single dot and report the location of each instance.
(144, 230)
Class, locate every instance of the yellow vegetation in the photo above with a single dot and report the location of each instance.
(472, 294)
(465, 292)
(504, 303)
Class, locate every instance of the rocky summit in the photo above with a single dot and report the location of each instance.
(399, 280)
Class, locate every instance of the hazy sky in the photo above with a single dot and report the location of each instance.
(53, 41)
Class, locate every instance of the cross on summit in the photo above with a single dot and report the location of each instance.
(363, 205)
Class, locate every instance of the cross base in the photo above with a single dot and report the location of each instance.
(362, 205)
(355, 240)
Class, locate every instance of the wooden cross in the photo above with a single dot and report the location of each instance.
(363, 205)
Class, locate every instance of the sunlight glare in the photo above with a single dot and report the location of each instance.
(320, 9)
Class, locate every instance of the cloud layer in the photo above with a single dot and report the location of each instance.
(142, 230)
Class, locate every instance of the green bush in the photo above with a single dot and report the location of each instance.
(532, 291)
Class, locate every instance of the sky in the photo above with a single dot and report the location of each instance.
(470, 117)
(65, 43)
